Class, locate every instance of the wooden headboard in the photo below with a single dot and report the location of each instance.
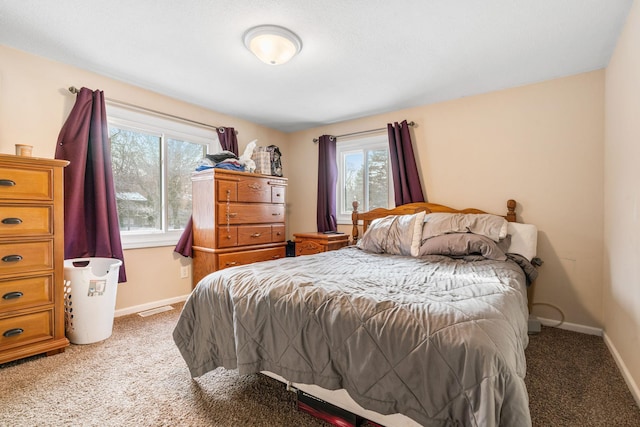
(411, 208)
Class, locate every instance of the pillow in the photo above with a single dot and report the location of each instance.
(524, 239)
(461, 244)
(394, 234)
(437, 224)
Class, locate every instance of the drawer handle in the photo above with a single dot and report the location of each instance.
(276, 214)
(232, 214)
(7, 183)
(278, 233)
(256, 235)
(255, 186)
(12, 221)
(275, 257)
(13, 332)
(228, 236)
(12, 295)
(12, 258)
(229, 264)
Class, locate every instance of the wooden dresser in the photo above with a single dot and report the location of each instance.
(238, 218)
(31, 257)
(313, 243)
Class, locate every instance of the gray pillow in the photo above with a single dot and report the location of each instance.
(439, 223)
(462, 244)
(394, 234)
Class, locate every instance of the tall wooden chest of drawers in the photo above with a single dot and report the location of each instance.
(238, 218)
(31, 257)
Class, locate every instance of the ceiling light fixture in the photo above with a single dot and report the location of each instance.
(272, 44)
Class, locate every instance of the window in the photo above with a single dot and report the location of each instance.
(363, 175)
(153, 158)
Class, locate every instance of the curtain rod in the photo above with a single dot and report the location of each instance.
(220, 129)
(331, 137)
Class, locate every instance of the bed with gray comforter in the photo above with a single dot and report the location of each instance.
(438, 339)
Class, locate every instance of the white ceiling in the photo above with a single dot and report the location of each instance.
(359, 57)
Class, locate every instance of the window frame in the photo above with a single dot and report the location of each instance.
(165, 128)
(364, 144)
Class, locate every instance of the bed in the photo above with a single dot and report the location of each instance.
(422, 322)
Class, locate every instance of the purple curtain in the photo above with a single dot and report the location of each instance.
(228, 139)
(185, 244)
(91, 227)
(229, 142)
(327, 178)
(406, 181)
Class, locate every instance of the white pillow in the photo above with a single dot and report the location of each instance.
(418, 221)
(524, 239)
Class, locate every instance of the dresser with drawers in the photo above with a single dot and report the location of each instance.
(31, 257)
(238, 218)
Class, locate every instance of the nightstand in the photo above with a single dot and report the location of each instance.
(313, 243)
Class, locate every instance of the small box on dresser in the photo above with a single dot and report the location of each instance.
(238, 218)
(31, 257)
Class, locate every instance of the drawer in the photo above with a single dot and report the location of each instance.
(250, 213)
(25, 184)
(227, 191)
(239, 235)
(254, 190)
(25, 220)
(277, 233)
(24, 257)
(249, 257)
(254, 235)
(227, 238)
(24, 293)
(309, 247)
(26, 329)
(277, 194)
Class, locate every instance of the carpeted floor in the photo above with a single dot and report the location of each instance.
(137, 378)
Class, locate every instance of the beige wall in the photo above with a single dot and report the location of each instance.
(540, 144)
(621, 298)
(35, 102)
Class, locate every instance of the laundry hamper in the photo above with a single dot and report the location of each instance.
(90, 286)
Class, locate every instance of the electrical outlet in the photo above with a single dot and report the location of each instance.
(184, 272)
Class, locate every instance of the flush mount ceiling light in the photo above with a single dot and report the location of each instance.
(272, 44)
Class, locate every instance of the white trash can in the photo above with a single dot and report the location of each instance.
(90, 286)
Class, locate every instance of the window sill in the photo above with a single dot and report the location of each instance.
(148, 240)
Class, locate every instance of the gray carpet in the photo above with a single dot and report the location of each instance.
(137, 378)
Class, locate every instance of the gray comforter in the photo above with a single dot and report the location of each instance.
(437, 339)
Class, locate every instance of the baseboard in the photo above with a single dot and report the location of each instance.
(148, 306)
(633, 387)
(589, 330)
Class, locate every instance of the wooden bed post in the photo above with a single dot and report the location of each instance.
(511, 210)
(354, 221)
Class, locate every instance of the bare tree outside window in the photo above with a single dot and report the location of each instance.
(137, 176)
(378, 168)
(353, 178)
(182, 159)
(372, 192)
(139, 179)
